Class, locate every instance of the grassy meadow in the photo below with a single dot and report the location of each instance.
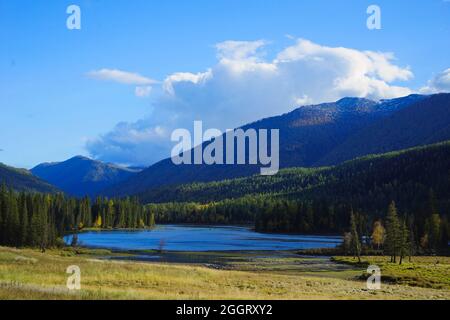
(30, 274)
(426, 272)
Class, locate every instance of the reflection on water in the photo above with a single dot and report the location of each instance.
(204, 238)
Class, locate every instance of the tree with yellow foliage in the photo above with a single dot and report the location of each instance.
(378, 234)
(98, 222)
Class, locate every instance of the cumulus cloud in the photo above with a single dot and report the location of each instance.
(184, 77)
(439, 83)
(244, 85)
(130, 143)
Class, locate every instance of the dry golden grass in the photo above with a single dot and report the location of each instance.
(28, 274)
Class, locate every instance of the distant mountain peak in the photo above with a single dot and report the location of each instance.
(352, 101)
(81, 176)
(83, 158)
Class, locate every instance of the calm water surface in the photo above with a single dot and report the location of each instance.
(204, 238)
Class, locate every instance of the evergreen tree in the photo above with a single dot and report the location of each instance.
(412, 239)
(404, 244)
(38, 220)
(392, 233)
(444, 233)
(23, 221)
(13, 221)
(434, 226)
(355, 243)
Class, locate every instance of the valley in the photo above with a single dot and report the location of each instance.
(247, 154)
(226, 232)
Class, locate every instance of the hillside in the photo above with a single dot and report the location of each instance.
(23, 180)
(425, 122)
(320, 200)
(307, 135)
(428, 166)
(80, 176)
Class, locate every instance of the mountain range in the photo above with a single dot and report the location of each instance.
(420, 168)
(310, 136)
(320, 135)
(81, 176)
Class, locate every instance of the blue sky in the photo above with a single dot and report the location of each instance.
(61, 95)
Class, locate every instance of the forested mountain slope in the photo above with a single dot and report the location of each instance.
(321, 200)
(428, 167)
(23, 180)
(425, 122)
(307, 135)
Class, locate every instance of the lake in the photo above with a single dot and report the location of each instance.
(201, 238)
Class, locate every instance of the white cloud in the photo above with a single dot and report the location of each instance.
(120, 76)
(239, 50)
(244, 86)
(341, 71)
(143, 88)
(439, 83)
(130, 143)
(143, 91)
(186, 77)
(302, 101)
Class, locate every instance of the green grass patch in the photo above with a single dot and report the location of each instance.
(425, 272)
